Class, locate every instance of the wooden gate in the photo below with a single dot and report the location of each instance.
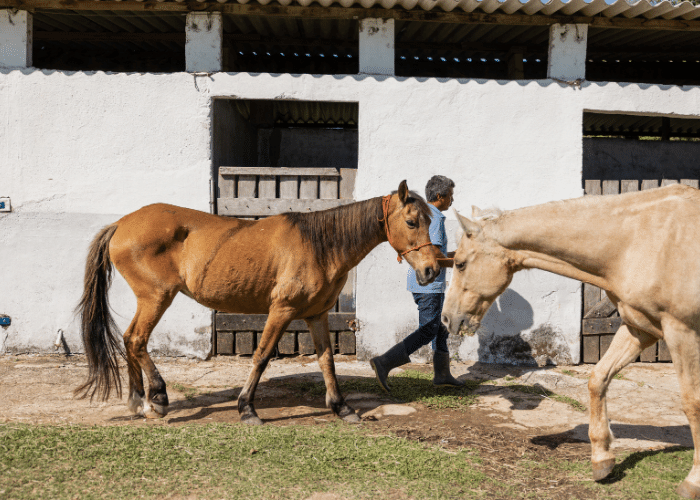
(258, 192)
(600, 318)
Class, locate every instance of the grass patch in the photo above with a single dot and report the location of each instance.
(224, 461)
(541, 391)
(409, 386)
(189, 392)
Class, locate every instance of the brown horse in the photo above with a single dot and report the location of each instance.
(290, 266)
(642, 248)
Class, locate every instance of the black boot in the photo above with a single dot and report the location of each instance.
(382, 365)
(441, 366)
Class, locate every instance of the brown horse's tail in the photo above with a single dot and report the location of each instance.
(96, 323)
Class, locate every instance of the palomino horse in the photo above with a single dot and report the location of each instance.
(642, 248)
(290, 266)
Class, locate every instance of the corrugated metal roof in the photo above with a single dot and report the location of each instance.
(620, 8)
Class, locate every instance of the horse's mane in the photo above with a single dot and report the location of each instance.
(342, 232)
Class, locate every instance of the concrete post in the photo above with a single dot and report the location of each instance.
(377, 46)
(204, 42)
(567, 51)
(16, 28)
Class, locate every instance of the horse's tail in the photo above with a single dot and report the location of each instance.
(96, 323)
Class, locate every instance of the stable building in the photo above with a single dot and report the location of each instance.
(254, 108)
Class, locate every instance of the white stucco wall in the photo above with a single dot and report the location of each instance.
(78, 151)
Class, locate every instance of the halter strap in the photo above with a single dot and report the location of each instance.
(386, 200)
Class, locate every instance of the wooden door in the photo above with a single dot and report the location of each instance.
(600, 318)
(258, 192)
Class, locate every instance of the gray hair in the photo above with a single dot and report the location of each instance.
(438, 185)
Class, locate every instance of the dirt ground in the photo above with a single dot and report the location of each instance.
(505, 423)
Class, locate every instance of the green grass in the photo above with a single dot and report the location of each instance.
(188, 392)
(224, 461)
(409, 386)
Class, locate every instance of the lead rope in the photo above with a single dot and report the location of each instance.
(386, 200)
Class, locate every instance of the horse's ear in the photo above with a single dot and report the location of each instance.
(476, 212)
(403, 191)
(470, 227)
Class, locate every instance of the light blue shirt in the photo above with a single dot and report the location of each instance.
(438, 237)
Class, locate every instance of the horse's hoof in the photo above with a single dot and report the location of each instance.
(251, 420)
(351, 418)
(602, 469)
(689, 490)
(151, 410)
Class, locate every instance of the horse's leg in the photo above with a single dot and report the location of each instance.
(627, 344)
(334, 399)
(275, 326)
(684, 345)
(148, 313)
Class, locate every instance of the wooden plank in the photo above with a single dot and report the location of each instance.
(629, 186)
(328, 188)
(605, 341)
(245, 343)
(227, 186)
(611, 187)
(252, 207)
(591, 297)
(287, 343)
(691, 182)
(592, 187)
(347, 183)
(308, 188)
(346, 342)
(256, 322)
(267, 187)
(289, 187)
(602, 309)
(668, 182)
(598, 326)
(246, 186)
(664, 353)
(649, 184)
(224, 343)
(306, 343)
(648, 355)
(346, 300)
(274, 171)
(591, 349)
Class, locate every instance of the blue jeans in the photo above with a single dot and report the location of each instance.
(430, 327)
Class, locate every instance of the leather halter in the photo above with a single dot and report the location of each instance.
(386, 200)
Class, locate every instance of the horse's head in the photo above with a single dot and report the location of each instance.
(407, 223)
(482, 271)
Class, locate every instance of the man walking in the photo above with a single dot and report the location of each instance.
(439, 192)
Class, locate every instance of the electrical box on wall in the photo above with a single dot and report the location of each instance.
(5, 320)
(5, 205)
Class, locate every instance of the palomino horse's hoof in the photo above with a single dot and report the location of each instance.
(251, 420)
(601, 470)
(151, 410)
(351, 418)
(689, 490)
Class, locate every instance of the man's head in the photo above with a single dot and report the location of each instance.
(439, 192)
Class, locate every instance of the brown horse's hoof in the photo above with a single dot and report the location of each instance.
(689, 490)
(601, 470)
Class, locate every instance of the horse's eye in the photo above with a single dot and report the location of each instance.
(411, 224)
(460, 265)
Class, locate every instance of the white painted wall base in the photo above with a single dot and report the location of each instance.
(16, 33)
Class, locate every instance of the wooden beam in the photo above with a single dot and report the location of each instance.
(256, 322)
(304, 172)
(355, 13)
(261, 207)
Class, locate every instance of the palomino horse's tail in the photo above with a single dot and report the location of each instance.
(96, 323)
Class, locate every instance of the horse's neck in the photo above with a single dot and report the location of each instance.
(561, 237)
(372, 238)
